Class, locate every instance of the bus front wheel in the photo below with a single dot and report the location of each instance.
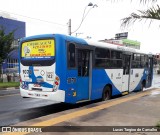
(106, 93)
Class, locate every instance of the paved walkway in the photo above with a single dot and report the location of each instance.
(137, 109)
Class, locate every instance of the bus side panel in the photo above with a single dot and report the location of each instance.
(140, 80)
(71, 89)
(100, 79)
(135, 78)
(146, 78)
(61, 61)
(116, 77)
(67, 76)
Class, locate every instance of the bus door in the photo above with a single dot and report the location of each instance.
(150, 72)
(84, 65)
(126, 72)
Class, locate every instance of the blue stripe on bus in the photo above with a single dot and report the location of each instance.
(34, 79)
(100, 79)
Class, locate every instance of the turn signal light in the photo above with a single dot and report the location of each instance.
(57, 78)
(56, 83)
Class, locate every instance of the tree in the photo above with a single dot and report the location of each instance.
(151, 14)
(5, 44)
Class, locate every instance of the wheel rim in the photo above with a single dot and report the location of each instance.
(142, 87)
(106, 95)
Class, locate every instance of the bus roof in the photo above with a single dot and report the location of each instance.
(87, 42)
(106, 45)
(103, 44)
(115, 47)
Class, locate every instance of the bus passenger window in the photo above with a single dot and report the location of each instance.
(126, 64)
(83, 63)
(136, 61)
(102, 53)
(116, 54)
(71, 56)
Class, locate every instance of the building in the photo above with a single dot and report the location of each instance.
(10, 24)
(123, 42)
(121, 39)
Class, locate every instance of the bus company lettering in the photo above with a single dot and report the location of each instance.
(125, 49)
(120, 48)
(118, 77)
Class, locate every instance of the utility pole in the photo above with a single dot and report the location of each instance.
(69, 27)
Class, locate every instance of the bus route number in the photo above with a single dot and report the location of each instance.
(49, 76)
(27, 71)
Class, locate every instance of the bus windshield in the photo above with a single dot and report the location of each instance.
(38, 52)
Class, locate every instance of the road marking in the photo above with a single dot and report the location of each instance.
(9, 95)
(83, 112)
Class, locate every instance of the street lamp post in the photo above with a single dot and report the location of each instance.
(83, 17)
(69, 27)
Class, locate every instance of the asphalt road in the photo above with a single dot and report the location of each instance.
(15, 109)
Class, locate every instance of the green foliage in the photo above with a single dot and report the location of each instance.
(158, 124)
(5, 43)
(1, 80)
(9, 84)
(151, 14)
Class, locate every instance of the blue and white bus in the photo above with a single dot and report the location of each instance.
(72, 70)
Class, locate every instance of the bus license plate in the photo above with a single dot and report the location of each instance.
(37, 95)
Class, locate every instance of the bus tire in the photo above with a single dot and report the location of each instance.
(107, 93)
(142, 86)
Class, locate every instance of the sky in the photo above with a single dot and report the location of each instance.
(102, 22)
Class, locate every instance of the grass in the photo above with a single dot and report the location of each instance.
(9, 84)
(158, 124)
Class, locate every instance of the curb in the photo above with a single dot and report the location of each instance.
(9, 88)
(9, 91)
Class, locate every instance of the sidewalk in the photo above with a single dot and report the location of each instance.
(142, 111)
